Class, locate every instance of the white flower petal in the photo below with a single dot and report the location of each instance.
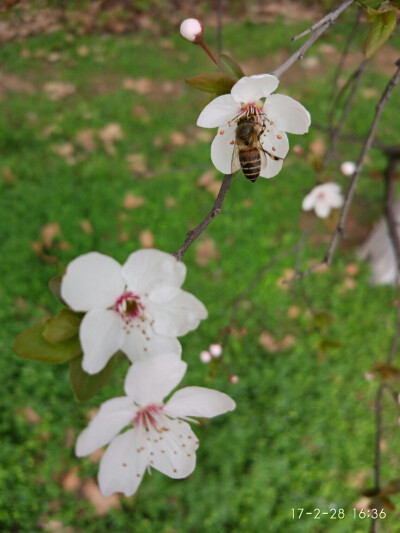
(222, 148)
(101, 335)
(275, 142)
(336, 200)
(142, 342)
(322, 208)
(122, 466)
(198, 401)
(163, 293)
(111, 418)
(252, 88)
(309, 201)
(178, 316)
(150, 380)
(92, 281)
(146, 268)
(174, 450)
(218, 112)
(272, 168)
(287, 114)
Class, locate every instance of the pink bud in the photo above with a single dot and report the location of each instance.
(205, 357)
(192, 30)
(348, 168)
(215, 350)
(234, 379)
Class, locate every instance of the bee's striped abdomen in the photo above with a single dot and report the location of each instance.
(250, 161)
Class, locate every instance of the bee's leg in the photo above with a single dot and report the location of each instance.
(274, 157)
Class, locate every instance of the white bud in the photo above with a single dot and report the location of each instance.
(348, 168)
(205, 357)
(192, 30)
(215, 350)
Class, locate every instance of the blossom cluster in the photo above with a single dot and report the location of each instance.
(140, 309)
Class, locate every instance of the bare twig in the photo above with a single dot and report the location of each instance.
(328, 20)
(215, 210)
(338, 128)
(343, 56)
(389, 211)
(360, 165)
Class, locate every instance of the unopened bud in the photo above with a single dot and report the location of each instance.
(205, 357)
(192, 30)
(348, 168)
(215, 350)
(234, 379)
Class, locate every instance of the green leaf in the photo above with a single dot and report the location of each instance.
(63, 326)
(229, 66)
(86, 385)
(213, 82)
(55, 287)
(373, 4)
(382, 26)
(31, 344)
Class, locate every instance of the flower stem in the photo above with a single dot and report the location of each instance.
(208, 52)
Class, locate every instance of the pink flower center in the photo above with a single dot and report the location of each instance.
(147, 417)
(128, 306)
(321, 195)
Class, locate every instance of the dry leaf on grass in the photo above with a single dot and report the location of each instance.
(132, 202)
(269, 342)
(317, 147)
(146, 238)
(56, 526)
(86, 226)
(86, 138)
(30, 415)
(177, 138)
(209, 182)
(352, 269)
(71, 481)
(205, 251)
(49, 232)
(66, 151)
(170, 202)
(139, 85)
(8, 176)
(58, 90)
(102, 505)
(109, 134)
(137, 164)
(293, 311)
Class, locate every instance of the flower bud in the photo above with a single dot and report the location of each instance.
(192, 30)
(205, 357)
(348, 168)
(215, 350)
(234, 379)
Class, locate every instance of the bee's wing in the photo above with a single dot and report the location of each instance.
(235, 165)
(263, 158)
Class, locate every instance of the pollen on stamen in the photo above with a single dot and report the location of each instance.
(279, 136)
(222, 132)
(232, 142)
(273, 149)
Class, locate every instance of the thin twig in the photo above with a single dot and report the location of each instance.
(360, 165)
(254, 282)
(328, 20)
(343, 56)
(345, 112)
(215, 210)
(389, 209)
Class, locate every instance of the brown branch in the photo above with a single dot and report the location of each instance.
(350, 100)
(215, 210)
(360, 165)
(328, 20)
(389, 211)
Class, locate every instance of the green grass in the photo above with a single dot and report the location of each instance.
(304, 424)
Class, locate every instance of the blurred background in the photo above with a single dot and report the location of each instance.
(100, 151)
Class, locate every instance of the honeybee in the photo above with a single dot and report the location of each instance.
(248, 152)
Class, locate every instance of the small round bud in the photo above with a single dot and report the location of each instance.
(192, 30)
(348, 168)
(234, 379)
(215, 350)
(205, 357)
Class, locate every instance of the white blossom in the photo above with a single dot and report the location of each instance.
(192, 30)
(159, 436)
(274, 114)
(323, 198)
(138, 308)
(215, 350)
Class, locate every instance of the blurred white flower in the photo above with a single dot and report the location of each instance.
(138, 308)
(348, 168)
(192, 30)
(270, 118)
(323, 198)
(158, 437)
(215, 350)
